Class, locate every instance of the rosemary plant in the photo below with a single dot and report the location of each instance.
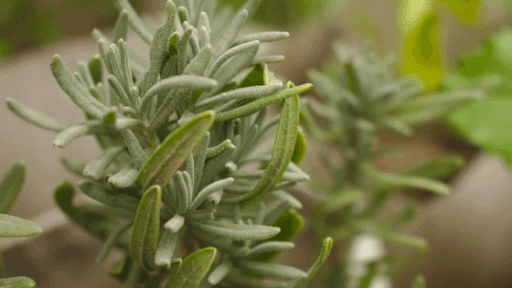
(359, 101)
(11, 226)
(189, 169)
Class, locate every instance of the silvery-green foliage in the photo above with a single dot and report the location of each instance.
(11, 226)
(189, 158)
(359, 98)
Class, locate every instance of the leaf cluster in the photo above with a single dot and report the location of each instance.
(190, 167)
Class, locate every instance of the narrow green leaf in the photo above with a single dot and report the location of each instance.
(209, 190)
(263, 37)
(242, 93)
(63, 197)
(267, 59)
(300, 147)
(125, 177)
(165, 249)
(166, 160)
(222, 45)
(260, 103)
(11, 226)
(35, 118)
(269, 246)
(273, 270)
(326, 250)
(251, 46)
(102, 194)
(289, 198)
(193, 270)
(199, 159)
(198, 64)
(121, 28)
(96, 168)
(145, 232)
(330, 90)
(236, 231)
(441, 167)
(340, 200)
(112, 239)
(391, 181)
(10, 186)
(232, 67)
(17, 282)
(220, 272)
(158, 50)
(165, 86)
(78, 93)
(283, 150)
(135, 22)
(136, 150)
(215, 164)
(73, 132)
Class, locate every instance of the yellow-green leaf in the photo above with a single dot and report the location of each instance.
(421, 52)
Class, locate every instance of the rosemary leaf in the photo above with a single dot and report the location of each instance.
(136, 150)
(165, 249)
(11, 226)
(326, 250)
(111, 240)
(145, 232)
(121, 28)
(11, 185)
(98, 165)
(260, 103)
(193, 270)
(135, 22)
(220, 272)
(101, 194)
(33, 117)
(238, 232)
(273, 270)
(166, 160)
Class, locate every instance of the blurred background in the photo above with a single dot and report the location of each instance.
(447, 44)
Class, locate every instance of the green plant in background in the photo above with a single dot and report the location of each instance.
(189, 167)
(483, 122)
(422, 50)
(284, 12)
(358, 101)
(11, 226)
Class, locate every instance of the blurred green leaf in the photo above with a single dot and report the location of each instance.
(11, 226)
(17, 282)
(465, 10)
(11, 185)
(421, 52)
(484, 122)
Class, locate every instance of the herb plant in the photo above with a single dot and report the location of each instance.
(11, 226)
(360, 99)
(189, 168)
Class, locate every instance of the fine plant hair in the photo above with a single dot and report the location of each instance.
(190, 167)
(11, 226)
(359, 98)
